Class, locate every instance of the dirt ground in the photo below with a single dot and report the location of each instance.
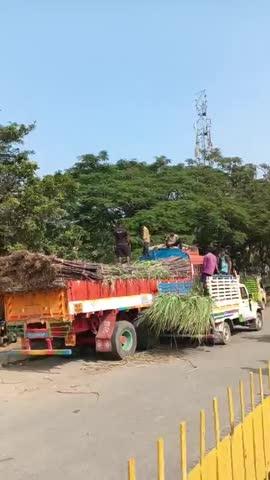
(55, 374)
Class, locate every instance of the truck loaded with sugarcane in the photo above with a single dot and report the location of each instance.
(55, 305)
(255, 287)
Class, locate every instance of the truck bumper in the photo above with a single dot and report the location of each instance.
(65, 352)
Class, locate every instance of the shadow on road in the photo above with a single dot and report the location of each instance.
(263, 366)
(258, 337)
(22, 364)
(167, 351)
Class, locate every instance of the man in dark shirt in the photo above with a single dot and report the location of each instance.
(122, 244)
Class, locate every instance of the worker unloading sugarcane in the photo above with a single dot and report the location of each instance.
(209, 268)
(224, 262)
(122, 244)
(146, 239)
(173, 240)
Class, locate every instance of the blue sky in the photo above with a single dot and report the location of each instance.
(122, 75)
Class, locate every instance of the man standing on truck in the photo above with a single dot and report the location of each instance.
(122, 243)
(146, 238)
(235, 271)
(210, 265)
(173, 240)
(224, 263)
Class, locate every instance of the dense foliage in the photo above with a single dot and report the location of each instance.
(72, 213)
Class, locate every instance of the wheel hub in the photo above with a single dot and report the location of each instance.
(126, 340)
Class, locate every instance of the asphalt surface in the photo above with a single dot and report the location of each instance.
(83, 419)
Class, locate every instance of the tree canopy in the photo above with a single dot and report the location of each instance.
(73, 213)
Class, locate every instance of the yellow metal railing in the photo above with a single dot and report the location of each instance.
(243, 454)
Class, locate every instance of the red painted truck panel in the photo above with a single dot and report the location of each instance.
(86, 289)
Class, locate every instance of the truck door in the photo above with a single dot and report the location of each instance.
(262, 294)
(245, 310)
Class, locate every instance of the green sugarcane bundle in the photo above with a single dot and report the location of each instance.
(188, 315)
(165, 269)
(137, 270)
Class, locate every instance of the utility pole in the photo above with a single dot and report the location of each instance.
(203, 141)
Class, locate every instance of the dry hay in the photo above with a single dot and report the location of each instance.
(162, 354)
(24, 271)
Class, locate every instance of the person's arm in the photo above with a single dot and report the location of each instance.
(168, 242)
(204, 264)
(142, 234)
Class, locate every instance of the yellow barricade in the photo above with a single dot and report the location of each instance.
(244, 454)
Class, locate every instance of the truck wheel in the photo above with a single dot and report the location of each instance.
(124, 340)
(12, 338)
(257, 324)
(226, 334)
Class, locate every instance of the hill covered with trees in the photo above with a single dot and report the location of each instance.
(72, 213)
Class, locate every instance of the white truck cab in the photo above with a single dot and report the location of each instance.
(232, 307)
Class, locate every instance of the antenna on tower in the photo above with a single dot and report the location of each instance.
(203, 140)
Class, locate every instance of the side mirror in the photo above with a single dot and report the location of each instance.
(250, 296)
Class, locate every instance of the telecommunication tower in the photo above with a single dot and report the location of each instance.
(203, 141)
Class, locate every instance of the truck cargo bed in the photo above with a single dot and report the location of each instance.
(40, 305)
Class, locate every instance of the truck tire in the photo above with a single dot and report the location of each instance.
(257, 324)
(226, 334)
(12, 338)
(124, 340)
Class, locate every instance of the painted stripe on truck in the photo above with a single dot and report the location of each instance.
(113, 303)
(65, 352)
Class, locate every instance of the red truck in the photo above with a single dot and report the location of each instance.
(89, 312)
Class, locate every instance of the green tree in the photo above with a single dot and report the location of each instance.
(17, 173)
(73, 213)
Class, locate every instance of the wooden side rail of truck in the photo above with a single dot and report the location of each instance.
(233, 307)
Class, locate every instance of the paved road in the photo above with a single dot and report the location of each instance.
(83, 419)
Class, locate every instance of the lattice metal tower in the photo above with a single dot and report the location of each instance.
(203, 141)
